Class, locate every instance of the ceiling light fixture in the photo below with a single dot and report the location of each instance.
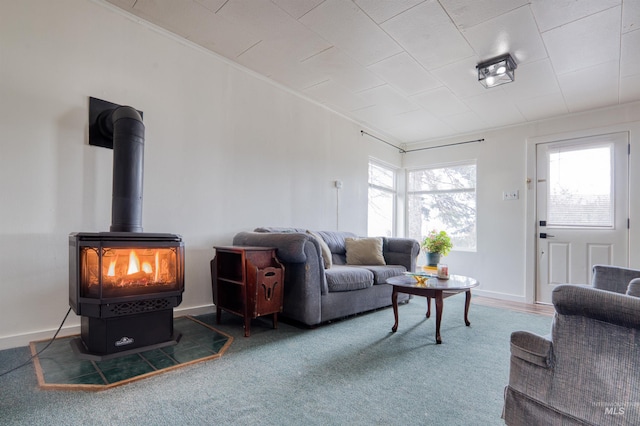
(497, 71)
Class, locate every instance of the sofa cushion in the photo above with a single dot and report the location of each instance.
(324, 249)
(381, 273)
(347, 278)
(364, 251)
(335, 239)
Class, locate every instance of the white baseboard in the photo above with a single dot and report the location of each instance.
(20, 340)
(194, 310)
(498, 295)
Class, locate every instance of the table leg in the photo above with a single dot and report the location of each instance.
(439, 306)
(247, 326)
(218, 314)
(394, 303)
(467, 303)
(428, 307)
(275, 320)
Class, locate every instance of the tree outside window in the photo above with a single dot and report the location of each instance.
(443, 198)
(382, 200)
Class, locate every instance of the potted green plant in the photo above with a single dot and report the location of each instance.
(435, 245)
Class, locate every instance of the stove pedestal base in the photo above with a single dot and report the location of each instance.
(106, 338)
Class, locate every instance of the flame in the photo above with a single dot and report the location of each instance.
(112, 268)
(140, 267)
(157, 266)
(134, 263)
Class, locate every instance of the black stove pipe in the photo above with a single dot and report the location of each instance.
(128, 166)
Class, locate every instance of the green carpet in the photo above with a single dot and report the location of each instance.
(351, 372)
(58, 367)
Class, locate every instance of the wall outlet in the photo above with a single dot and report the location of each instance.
(510, 195)
(338, 184)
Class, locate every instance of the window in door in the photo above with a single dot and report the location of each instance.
(580, 186)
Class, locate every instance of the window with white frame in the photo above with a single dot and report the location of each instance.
(443, 198)
(382, 200)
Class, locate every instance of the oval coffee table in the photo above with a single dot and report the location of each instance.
(432, 288)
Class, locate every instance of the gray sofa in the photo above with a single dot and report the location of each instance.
(314, 294)
(586, 371)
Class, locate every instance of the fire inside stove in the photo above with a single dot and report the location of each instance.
(127, 271)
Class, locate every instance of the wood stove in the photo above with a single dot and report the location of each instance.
(125, 286)
(125, 283)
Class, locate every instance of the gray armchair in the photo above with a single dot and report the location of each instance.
(617, 279)
(586, 371)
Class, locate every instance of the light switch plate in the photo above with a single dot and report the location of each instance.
(510, 195)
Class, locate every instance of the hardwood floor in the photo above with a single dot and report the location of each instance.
(528, 308)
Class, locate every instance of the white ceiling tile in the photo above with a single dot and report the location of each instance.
(343, 70)
(336, 96)
(630, 54)
(544, 106)
(388, 98)
(268, 58)
(495, 108)
(272, 59)
(584, 43)
(630, 88)
(410, 127)
(427, 33)
(592, 87)
(331, 61)
(198, 24)
(514, 32)
(532, 80)
(297, 8)
(170, 15)
(630, 16)
(373, 115)
(440, 102)
(297, 76)
(405, 74)
(218, 38)
(212, 5)
(343, 24)
(357, 79)
(461, 78)
(465, 122)
(381, 10)
(416, 126)
(467, 13)
(554, 13)
(274, 24)
(263, 17)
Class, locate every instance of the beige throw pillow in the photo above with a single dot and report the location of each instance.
(324, 250)
(364, 251)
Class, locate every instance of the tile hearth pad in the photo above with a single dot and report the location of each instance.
(58, 367)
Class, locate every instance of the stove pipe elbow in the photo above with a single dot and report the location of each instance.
(128, 167)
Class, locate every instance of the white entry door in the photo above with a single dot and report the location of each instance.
(582, 201)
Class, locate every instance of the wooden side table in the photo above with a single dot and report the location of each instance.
(247, 281)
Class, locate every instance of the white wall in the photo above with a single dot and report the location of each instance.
(504, 261)
(225, 151)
